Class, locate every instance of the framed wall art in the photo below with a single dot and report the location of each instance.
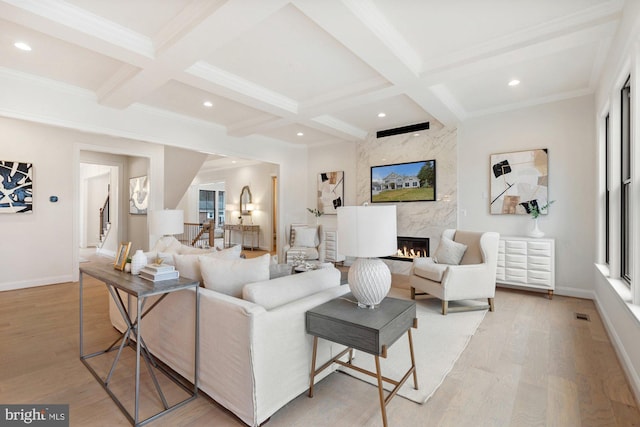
(519, 179)
(330, 191)
(138, 195)
(16, 187)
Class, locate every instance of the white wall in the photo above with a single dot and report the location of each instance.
(37, 247)
(566, 129)
(619, 305)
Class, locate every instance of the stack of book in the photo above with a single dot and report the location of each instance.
(158, 272)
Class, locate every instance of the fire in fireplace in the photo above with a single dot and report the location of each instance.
(411, 247)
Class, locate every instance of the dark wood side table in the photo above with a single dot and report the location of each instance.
(141, 289)
(372, 331)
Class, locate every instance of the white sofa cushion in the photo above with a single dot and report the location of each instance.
(168, 244)
(189, 264)
(188, 250)
(449, 252)
(274, 293)
(228, 276)
(426, 268)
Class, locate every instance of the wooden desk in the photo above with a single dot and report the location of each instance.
(141, 289)
(372, 331)
(242, 229)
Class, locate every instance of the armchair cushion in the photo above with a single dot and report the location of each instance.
(473, 254)
(425, 267)
(306, 237)
(449, 252)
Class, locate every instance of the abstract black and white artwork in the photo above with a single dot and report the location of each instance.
(138, 195)
(519, 179)
(16, 187)
(330, 192)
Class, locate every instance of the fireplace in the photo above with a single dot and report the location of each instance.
(411, 247)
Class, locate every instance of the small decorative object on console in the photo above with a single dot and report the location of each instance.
(158, 272)
(138, 260)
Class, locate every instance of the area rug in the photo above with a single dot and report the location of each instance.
(438, 343)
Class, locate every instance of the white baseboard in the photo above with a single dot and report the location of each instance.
(35, 282)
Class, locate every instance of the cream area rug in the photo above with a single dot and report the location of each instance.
(437, 343)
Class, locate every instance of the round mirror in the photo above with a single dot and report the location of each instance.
(245, 199)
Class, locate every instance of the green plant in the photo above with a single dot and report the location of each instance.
(315, 212)
(535, 211)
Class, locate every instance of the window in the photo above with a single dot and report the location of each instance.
(625, 199)
(607, 187)
(207, 205)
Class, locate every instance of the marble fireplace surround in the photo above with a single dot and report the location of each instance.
(415, 219)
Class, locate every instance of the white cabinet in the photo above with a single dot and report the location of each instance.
(331, 253)
(527, 262)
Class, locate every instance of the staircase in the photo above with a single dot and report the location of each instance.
(105, 224)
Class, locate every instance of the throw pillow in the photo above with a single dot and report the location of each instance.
(228, 276)
(306, 237)
(189, 265)
(449, 252)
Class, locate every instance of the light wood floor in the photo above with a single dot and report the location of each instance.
(531, 363)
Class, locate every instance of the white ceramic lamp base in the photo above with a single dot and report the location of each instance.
(369, 281)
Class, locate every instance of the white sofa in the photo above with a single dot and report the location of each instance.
(255, 355)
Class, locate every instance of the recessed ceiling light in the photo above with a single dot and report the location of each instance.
(22, 46)
(208, 104)
(382, 115)
(514, 82)
(234, 162)
(416, 134)
(300, 134)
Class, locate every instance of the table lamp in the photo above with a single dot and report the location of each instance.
(368, 232)
(166, 223)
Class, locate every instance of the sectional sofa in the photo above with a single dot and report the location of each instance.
(255, 355)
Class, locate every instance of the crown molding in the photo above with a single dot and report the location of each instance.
(88, 23)
(339, 125)
(375, 21)
(242, 86)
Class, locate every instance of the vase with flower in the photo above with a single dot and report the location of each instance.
(534, 210)
(317, 213)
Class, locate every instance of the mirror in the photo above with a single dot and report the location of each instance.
(245, 199)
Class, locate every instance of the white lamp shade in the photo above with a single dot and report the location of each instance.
(367, 231)
(166, 222)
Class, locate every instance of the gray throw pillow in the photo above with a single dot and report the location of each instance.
(449, 252)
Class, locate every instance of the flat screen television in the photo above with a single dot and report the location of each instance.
(404, 182)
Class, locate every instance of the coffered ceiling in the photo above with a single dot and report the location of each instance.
(321, 68)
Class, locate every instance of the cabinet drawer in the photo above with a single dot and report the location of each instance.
(539, 278)
(330, 246)
(540, 251)
(330, 237)
(515, 275)
(539, 263)
(500, 273)
(515, 247)
(515, 261)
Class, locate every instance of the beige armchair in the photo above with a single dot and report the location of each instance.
(303, 239)
(473, 278)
